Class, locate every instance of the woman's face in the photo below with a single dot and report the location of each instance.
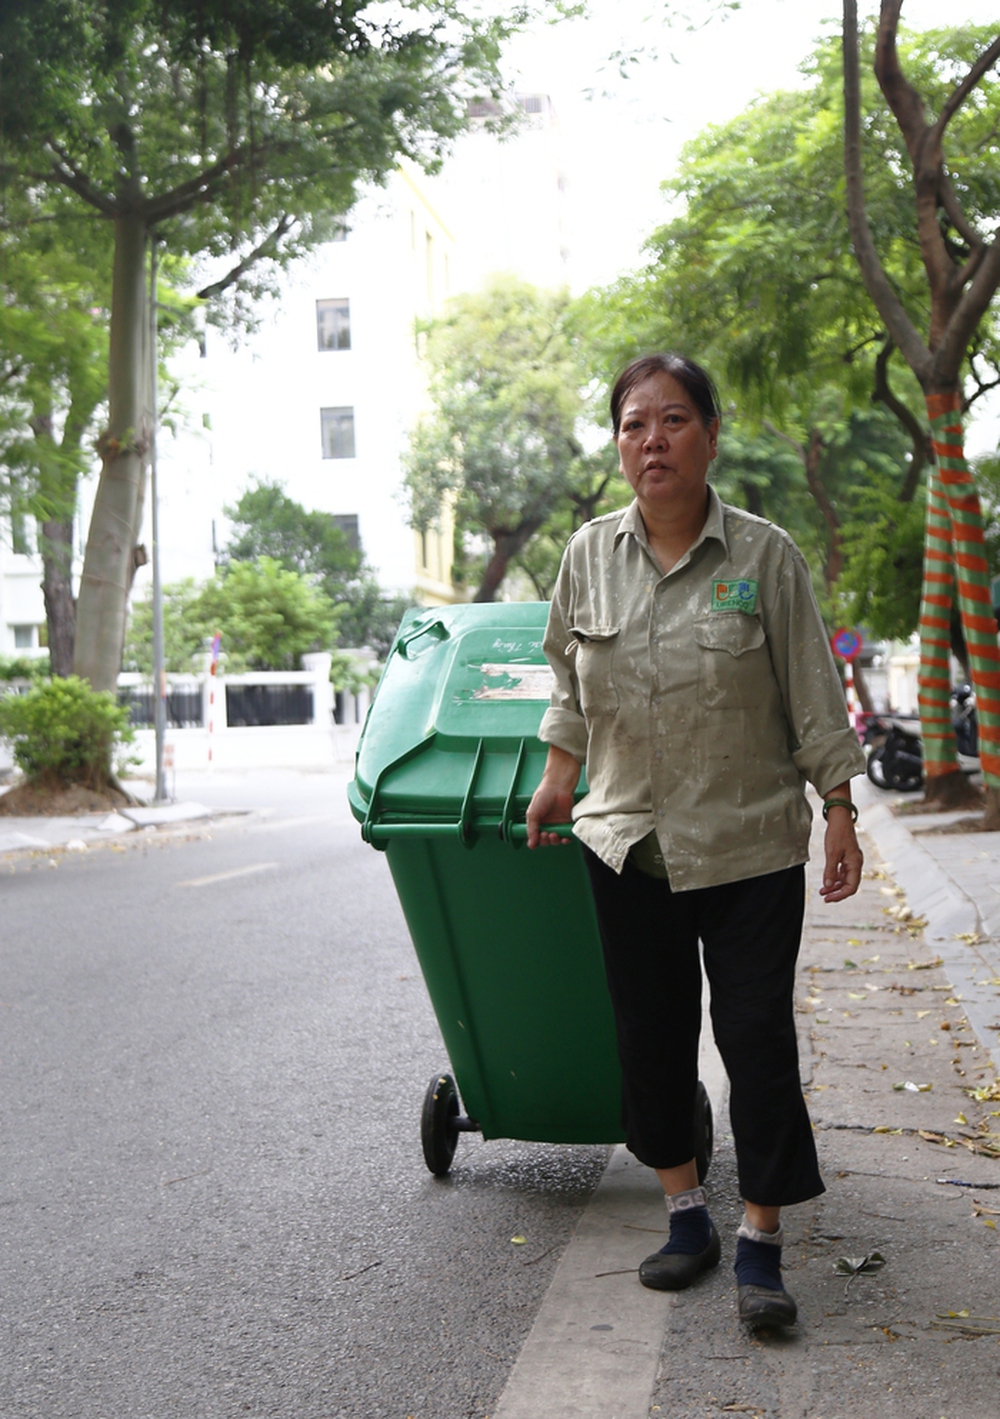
(664, 447)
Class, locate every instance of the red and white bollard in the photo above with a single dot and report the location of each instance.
(853, 706)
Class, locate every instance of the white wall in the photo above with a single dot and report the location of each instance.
(256, 408)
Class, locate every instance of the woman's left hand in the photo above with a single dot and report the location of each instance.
(844, 858)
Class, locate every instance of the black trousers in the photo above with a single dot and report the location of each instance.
(751, 932)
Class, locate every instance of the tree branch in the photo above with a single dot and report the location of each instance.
(901, 328)
(919, 436)
(961, 91)
(217, 287)
(794, 443)
(958, 219)
(901, 96)
(197, 189)
(975, 300)
(66, 172)
(924, 145)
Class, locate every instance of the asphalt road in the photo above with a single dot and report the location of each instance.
(214, 1050)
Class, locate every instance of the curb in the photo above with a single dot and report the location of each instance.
(932, 894)
(98, 828)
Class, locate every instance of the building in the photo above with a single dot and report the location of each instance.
(22, 607)
(320, 397)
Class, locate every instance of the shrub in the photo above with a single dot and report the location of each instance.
(24, 667)
(64, 732)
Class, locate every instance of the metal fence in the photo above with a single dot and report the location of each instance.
(268, 704)
(185, 708)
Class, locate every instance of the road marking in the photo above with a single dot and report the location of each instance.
(225, 876)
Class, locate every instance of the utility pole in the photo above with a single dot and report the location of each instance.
(159, 671)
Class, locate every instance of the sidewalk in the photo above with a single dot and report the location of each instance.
(911, 1173)
(84, 830)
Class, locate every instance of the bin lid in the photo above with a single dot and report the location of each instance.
(450, 743)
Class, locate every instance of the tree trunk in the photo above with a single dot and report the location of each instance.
(812, 459)
(109, 561)
(971, 575)
(57, 589)
(863, 692)
(505, 546)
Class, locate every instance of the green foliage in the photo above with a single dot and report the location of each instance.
(267, 617)
(755, 276)
(23, 667)
(987, 473)
(64, 732)
(185, 633)
(268, 523)
(502, 444)
(239, 131)
(884, 551)
(234, 124)
(349, 672)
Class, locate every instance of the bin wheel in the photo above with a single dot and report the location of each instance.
(439, 1128)
(704, 1132)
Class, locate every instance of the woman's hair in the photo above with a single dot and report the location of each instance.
(697, 383)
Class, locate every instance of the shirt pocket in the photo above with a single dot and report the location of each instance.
(733, 661)
(595, 648)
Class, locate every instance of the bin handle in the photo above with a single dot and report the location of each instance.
(507, 816)
(518, 832)
(468, 802)
(378, 834)
(370, 825)
(437, 629)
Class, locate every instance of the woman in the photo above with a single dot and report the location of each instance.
(694, 679)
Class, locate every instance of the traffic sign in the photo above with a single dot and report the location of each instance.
(846, 643)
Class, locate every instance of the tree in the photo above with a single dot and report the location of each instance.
(754, 276)
(267, 617)
(268, 523)
(234, 129)
(952, 196)
(502, 439)
(53, 359)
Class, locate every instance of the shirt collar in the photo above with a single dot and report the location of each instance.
(715, 525)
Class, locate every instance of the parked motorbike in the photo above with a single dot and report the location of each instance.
(894, 748)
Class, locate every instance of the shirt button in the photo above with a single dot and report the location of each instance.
(658, 755)
(656, 701)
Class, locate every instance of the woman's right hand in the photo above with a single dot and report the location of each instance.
(552, 801)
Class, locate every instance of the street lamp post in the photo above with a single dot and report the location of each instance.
(159, 672)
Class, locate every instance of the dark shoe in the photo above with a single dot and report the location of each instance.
(675, 1271)
(764, 1309)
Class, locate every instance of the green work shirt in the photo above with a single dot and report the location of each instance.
(701, 701)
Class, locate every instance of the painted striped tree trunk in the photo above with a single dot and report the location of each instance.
(955, 556)
(934, 694)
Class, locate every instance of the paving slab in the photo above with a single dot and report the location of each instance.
(879, 1009)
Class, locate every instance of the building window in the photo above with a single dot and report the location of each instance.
(24, 637)
(333, 324)
(337, 427)
(347, 522)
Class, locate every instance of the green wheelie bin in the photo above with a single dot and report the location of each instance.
(507, 939)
